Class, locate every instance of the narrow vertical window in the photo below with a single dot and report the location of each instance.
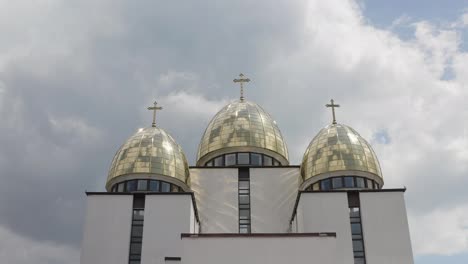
(136, 234)
(356, 228)
(244, 201)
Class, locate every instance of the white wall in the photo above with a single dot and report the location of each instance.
(385, 228)
(327, 212)
(260, 250)
(166, 217)
(107, 224)
(216, 192)
(273, 193)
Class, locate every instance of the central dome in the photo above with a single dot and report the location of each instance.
(242, 126)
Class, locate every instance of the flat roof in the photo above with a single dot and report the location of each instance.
(243, 166)
(341, 191)
(152, 193)
(218, 235)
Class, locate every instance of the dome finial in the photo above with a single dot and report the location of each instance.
(154, 108)
(333, 105)
(241, 80)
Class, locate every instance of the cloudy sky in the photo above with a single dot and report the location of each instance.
(76, 78)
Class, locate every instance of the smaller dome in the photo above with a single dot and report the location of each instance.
(242, 126)
(149, 153)
(339, 150)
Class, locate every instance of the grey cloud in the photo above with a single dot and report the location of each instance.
(92, 68)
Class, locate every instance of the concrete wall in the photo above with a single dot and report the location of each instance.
(257, 250)
(273, 193)
(216, 192)
(166, 217)
(385, 228)
(327, 212)
(107, 224)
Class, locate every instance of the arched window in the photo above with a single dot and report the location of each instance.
(343, 182)
(146, 186)
(242, 159)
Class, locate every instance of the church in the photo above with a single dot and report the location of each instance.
(242, 202)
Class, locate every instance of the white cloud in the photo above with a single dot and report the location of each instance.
(17, 249)
(442, 231)
(299, 54)
(75, 129)
(193, 104)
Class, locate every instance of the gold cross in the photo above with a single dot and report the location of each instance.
(154, 108)
(333, 105)
(241, 80)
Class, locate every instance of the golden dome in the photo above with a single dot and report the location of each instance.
(242, 126)
(340, 150)
(149, 153)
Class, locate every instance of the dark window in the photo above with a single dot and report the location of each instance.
(355, 228)
(369, 184)
(136, 235)
(337, 182)
(138, 214)
(243, 159)
(137, 231)
(244, 229)
(142, 185)
(135, 248)
(256, 159)
(244, 214)
(165, 187)
(154, 186)
(244, 200)
(244, 185)
(244, 174)
(230, 159)
(325, 185)
(354, 212)
(360, 182)
(267, 161)
(349, 182)
(359, 261)
(131, 186)
(174, 188)
(219, 161)
(357, 245)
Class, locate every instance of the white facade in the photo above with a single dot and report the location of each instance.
(273, 194)
(385, 228)
(216, 194)
(327, 212)
(166, 217)
(108, 223)
(107, 229)
(284, 223)
(255, 250)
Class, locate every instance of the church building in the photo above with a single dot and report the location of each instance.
(242, 202)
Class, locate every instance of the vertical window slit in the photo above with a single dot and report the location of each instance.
(356, 228)
(136, 234)
(244, 201)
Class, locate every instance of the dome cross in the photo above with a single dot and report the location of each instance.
(333, 105)
(154, 109)
(241, 80)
